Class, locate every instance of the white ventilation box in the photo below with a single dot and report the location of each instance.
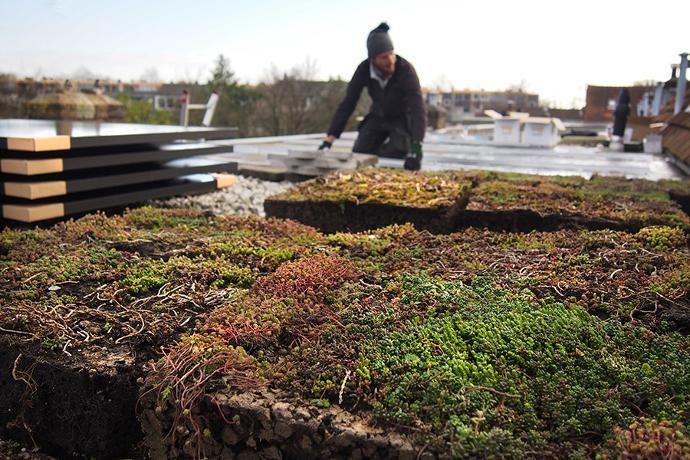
(507, 131)
(520, 129)
(542, 131)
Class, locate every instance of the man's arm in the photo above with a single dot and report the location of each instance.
(349, 102)
(417, 106)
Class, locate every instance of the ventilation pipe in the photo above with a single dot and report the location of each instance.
(680, 89)
(658, 95)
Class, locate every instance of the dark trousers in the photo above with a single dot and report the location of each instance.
(383, 137)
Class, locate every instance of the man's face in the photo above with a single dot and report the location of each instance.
(385, 63)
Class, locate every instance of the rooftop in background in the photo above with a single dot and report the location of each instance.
(677, 139)
(441, 153)
(38, 85)
(461, 104)
(601, 100)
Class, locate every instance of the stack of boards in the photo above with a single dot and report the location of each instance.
(299, 165)
(51, 169)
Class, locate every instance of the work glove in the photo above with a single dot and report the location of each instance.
(325, 145)
(413, 160)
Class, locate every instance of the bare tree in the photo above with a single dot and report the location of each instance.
(284, 102)
(296, 102)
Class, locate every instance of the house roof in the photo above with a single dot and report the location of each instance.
(598, 97)
(676, 137)
(666, 112)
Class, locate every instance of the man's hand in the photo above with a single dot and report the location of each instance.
(413, 160)
(327, 142)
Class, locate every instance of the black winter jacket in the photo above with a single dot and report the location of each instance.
(401, 97)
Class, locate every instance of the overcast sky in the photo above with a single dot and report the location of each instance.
(554, 48)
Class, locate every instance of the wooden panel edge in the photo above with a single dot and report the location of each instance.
(33, 213)
(225, 180)
(31, 167)
(35, 190)
(39, 144)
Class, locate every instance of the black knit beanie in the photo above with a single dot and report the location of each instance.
(379, 41)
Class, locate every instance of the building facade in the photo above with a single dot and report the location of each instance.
(601, 101)
(470, 103)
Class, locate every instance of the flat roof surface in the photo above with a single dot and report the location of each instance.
(440, 155)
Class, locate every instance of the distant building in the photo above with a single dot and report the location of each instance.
(676, 139)
(16, 92)
(601, 100)
(30, 87)
(664, 94)
(463, 103)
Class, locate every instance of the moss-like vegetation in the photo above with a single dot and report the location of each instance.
(648, 438)
(601, 202)
(662, 238)
(134, 279)
(590, 201)
(513, 373)
(570, 343)
(588, 141)
(470, 369)
(477, 343)
(633, 277)
(383, 186)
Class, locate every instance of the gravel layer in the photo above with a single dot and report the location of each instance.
(246, 196)
(10, 450)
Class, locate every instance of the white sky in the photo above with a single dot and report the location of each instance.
(554, 48)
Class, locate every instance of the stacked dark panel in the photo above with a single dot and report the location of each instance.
(51, 169)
